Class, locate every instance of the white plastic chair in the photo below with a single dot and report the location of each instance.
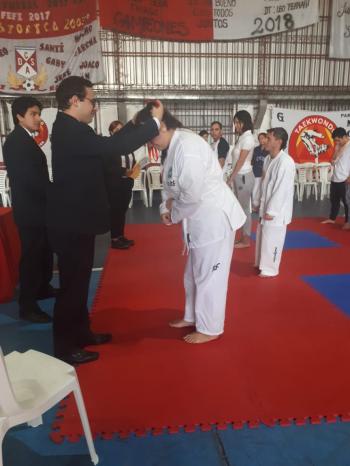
(154, 181)
(306, 179)
(140, 185)
(4, 189)
(30, 384)
(324, 168)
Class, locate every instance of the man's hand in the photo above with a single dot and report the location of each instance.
(158, 110)
(134, 172)
(169, 203)
(166, 218)
(268, 217)
(230, 182)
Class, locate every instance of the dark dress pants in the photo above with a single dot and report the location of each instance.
(36, 263)
(119, 200)
(75, 253)
(337, 194)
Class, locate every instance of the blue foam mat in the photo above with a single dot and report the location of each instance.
(333, 287)
(304, 239)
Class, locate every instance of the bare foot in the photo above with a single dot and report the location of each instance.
(197, 337)
(346, 226)
(328, 221)
(180, 323)
(242, 245)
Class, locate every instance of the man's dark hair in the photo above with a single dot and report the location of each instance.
(74, 85)
(339, 133)
(244, 117)
(280, 133)
(203, 132)
(145, 114)
(21, 105)
(216, 123)
(262, 134)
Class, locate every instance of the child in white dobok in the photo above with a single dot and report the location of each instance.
(276, 203)
(195, 195)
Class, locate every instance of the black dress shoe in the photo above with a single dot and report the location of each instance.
(119, 244)
(130, 242)
(95, 339)
(79, 356)
(50, 292)
(35, 315)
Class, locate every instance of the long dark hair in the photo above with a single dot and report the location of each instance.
(168, 119)
(244, 117)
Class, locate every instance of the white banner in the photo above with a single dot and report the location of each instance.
(339, 46)
(41, 46)
(238, 19)
(310, 133)
(206, 20)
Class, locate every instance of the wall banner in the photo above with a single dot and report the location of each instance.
(339, 46)
(45, 41)
(310, 133)
(206, 20)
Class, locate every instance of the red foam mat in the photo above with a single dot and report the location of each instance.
(284, 356)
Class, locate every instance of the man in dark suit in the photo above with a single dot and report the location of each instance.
(78, 208)
(27, 170)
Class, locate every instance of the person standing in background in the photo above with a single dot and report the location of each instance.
(276, 203)
(29, 178)
(204, 134)
(219, 145)
(258, 158)
(242, 177)
(119, 181)
(340, 176)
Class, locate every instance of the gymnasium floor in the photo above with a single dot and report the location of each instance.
(319, 445)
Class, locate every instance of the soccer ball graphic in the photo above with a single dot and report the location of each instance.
(28, 85)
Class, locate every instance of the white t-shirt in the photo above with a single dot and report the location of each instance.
(342, 165)
(245, 142)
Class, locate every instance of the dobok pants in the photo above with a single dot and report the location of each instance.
(269, 247)
(206, 280)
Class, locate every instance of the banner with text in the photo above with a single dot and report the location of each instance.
(339, 46)
(310, 132)
(45, 41)
(206, 20)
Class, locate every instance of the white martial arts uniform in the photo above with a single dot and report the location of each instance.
(210, 215)
(277, 191)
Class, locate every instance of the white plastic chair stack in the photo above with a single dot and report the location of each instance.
(154, 181)
(30, 384)
(4, 189)
(324, 169)
(306, 179)
(140, 185)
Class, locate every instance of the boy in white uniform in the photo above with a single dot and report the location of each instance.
(276, 203)
(195, 195)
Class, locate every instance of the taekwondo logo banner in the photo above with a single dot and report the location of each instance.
(339, 46)
(42, 45)
(206, 20)
(310, 133)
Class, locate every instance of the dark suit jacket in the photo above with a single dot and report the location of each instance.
(77, 200)
(27, 170)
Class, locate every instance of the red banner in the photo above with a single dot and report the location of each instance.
(182, 20)
(32, 19)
